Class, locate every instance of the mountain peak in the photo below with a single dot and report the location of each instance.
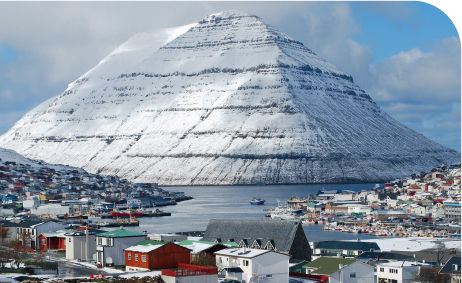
(229, 14)
(224, 101)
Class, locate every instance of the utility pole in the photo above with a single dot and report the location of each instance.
(86, 244)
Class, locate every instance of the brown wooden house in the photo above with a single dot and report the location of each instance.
(149, 255)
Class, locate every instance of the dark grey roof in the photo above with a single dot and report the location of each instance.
(384, 255)
(449, 266)
(6, 223)
(345, 245)
(28, 223)
(280, 231)
(430, 256)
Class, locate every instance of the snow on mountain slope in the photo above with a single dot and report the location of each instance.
(8, 155)
(229, 100)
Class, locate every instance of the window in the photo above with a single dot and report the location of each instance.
(129, 256)
(100, 241)
(143, 258)
(393, 270)
(220, 259)
(109, 241)
(43, 242)
(245, 262)
(70, 240)
(269, 275)
(136, 257)
(353, 275)
(382, 269)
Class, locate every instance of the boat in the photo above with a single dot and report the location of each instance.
(257, 201)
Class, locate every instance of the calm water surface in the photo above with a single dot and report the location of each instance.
(232, 202)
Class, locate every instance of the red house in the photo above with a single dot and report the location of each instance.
(53, 240)
(148, 255)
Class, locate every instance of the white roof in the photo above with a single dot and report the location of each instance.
(400, 264)
(242, 252)
(197, 247)
(143, 248)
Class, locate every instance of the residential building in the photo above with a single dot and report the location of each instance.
(53, 240)
(397, 272)
(357, 272)
(339, 269)
(149, 255)
(452, 267)
(452, 210)
(277, 235)
(257, 265)
(203, 250)
(81, 244)
(27, 232)
(110, 246)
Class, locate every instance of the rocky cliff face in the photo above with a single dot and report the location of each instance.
(228, 100)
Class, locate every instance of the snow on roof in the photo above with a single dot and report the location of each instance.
(144, 248)
(399, 263)
(242, 252)
(197, 247)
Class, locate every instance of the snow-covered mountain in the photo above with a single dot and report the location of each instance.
(227, 100)
(8, 155)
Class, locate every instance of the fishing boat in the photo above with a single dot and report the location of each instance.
(257, 201)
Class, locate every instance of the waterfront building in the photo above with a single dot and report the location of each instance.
(277, 235)
(149, 255)
(110, 246)
(257, 265)
(344, 248)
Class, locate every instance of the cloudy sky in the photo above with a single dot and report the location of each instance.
(406, 55)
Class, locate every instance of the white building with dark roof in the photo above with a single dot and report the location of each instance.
(276, 235)
(257, 265)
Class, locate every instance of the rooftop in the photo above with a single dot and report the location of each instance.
(121, 233)
(242, 252)
(328, 265)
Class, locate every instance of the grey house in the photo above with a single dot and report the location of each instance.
(110, 246)
(278, 235)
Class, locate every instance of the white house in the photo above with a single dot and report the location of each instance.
(257, 265)
(397, 272)
(81, 246)
(357, 272)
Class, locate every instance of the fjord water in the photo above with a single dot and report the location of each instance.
(233, 202)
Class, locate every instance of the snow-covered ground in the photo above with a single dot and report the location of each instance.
(140, 274)
(414, 243)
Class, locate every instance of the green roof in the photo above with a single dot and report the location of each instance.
(149, 242)
(298, 267)
(121, 233)
(328, 265)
